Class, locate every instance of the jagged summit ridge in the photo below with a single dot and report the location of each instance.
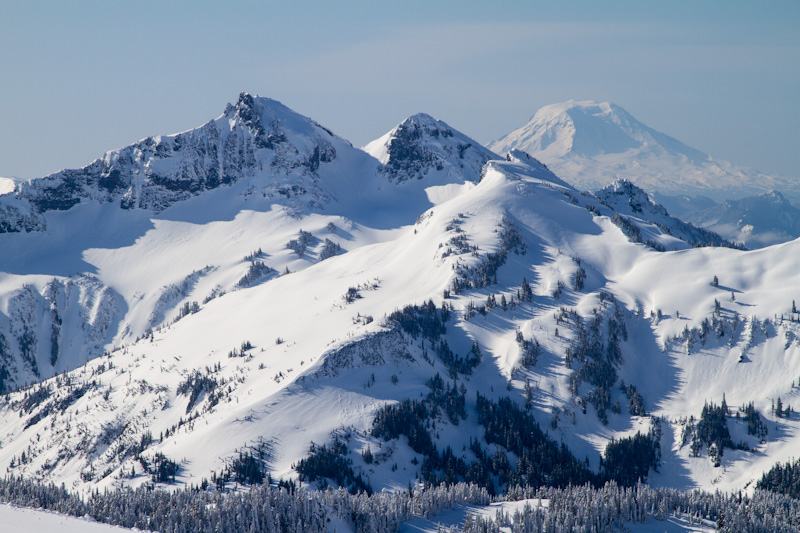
(424, 147)
(266, 118)
(254, 138)
(626, 198)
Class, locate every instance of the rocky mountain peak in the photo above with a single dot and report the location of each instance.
(424, 147)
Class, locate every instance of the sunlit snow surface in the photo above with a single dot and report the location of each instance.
(6, 185)
(24, 519)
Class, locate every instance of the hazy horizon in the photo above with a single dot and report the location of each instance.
(86, 77)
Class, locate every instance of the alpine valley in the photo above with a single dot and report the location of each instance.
(257, 301)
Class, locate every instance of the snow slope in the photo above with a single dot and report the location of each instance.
(592, 144)
(7, 185)
(73, 283)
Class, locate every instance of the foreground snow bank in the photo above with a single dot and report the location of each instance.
(15, 518)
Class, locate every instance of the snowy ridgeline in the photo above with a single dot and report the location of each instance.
(432, 315)
(293, 510)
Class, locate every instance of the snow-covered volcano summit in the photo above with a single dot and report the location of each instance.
(588, 129)
(592, 144)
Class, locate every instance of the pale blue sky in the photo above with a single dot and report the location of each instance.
(78, 77)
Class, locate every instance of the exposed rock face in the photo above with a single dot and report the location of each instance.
(49, 331)
(421, 146)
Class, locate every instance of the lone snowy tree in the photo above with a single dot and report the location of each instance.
(525, 293)
(528, 393)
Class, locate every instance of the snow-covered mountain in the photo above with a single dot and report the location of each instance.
(592, 144)
(254, 138)
(372, 322)
(73, 284)
(756, 221)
